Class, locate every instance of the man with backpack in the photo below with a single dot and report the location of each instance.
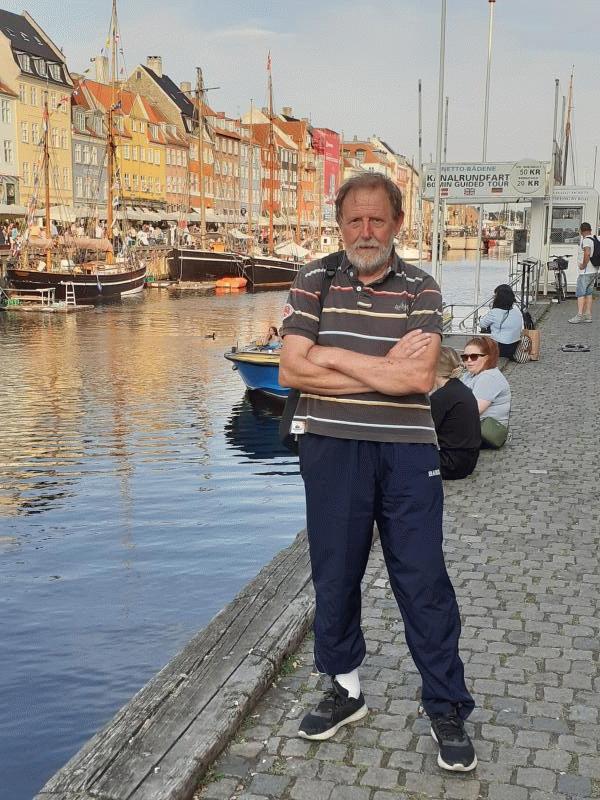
(589, 261)
(364, 358)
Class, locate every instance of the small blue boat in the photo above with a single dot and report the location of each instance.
(259, 369)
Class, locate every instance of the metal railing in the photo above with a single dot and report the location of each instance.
(523, 278)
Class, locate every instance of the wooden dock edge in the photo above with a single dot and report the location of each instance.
(161, 742)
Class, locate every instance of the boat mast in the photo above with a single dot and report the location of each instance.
(299, 197)
(271, 157)
(200, 105)
(250, 171)
(46, 171)
(567, 134)
(110, 139)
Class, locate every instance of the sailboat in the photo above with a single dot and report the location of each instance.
(196, 262)
(268, 270)
(83, 269)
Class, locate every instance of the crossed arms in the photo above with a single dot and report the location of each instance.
(408, 368)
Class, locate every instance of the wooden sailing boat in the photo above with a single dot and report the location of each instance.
(80, 268)
(268, 270)
(195, 262)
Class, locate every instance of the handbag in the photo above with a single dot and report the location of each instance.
(493, 433)
(534, 336)
(521, 354)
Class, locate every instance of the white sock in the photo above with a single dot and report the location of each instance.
(349, 681)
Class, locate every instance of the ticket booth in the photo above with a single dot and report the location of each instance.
(571, 205)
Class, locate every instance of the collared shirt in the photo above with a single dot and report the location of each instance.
(368, 320)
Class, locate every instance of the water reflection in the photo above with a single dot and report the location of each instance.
(253, 426)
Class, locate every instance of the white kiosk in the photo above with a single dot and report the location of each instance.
(571, 205)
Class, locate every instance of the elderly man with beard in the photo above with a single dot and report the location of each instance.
(364, 359)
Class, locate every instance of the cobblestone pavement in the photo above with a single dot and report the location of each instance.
(521, 542)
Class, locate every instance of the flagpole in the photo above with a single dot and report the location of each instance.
(476, 288)
(435, 249)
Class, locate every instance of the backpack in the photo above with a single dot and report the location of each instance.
(288, 439)
(595, 254)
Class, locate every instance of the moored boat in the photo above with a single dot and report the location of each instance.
(259, 369)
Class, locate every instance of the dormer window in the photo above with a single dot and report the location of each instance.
(24, 62)
(40, 65)
(54, 71)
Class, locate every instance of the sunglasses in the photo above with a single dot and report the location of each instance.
(471, 356)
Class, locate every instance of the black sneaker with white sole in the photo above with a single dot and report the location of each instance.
(335, 710)
(456, 749)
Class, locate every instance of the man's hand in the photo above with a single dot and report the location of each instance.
(411, 345)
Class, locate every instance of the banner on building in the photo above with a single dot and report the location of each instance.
(505, 182)
(327, 143)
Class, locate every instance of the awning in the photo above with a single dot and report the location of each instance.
(12, 210)
(291, 249)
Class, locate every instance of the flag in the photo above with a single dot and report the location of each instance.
(269, 62)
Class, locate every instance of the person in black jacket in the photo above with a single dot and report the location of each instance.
(456, 418)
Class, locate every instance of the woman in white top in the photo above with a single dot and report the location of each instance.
(485, 380)
(504, 320)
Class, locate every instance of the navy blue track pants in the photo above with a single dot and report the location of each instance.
(349, 485)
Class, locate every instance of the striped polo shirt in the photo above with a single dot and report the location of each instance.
(368, 320)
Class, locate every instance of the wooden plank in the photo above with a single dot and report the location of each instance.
(162, 740)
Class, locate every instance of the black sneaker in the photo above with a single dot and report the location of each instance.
(335, 710)
(456, 749)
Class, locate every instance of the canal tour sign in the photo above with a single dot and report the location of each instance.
(505, 182)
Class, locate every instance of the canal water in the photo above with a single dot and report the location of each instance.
(140, 489)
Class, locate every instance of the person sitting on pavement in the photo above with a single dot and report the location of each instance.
(504, 320)
(456, 417)
(488, 384)
(587, 276)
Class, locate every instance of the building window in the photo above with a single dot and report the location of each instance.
(79, 186)
(55, 139)
(22, 94)
(126, 151)
(24, 133)
(54, 71)
(134, 154)
(33, 95)
(25, 168)
(6, 111)
(168, 156)
(40, 65)
(142, 154)
(8, 151)
(133, 126)
(157, 157)
(66, 183)
(94, 156)
(35, 133)
(77, 151)
(86, 154)
(63, 139)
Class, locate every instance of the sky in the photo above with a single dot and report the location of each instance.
(355, 67)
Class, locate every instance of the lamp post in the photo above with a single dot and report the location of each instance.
(484, 158)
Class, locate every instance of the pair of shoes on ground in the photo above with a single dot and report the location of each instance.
(337, 709)
(581, 318)
(575, 348)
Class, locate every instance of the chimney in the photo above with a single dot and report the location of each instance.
(101, 68)
(155, 64)
(286, 111)
(186, 88)
(265, 111)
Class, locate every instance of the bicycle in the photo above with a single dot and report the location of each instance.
(558, 265)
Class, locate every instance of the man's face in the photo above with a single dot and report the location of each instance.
(368, 228)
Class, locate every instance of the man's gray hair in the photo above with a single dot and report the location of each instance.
(369, 180)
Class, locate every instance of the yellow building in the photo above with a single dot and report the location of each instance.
(35, 69)
(140, 139)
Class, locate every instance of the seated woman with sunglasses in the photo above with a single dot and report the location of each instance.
(504, 320)
(456, 418)
(488, 384)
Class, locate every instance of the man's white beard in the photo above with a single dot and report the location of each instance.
(368, 262)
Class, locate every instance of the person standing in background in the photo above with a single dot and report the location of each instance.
(587, 276)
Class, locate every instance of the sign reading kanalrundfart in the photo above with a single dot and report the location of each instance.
(488, 183)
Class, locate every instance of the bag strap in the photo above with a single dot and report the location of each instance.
(331, 263)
